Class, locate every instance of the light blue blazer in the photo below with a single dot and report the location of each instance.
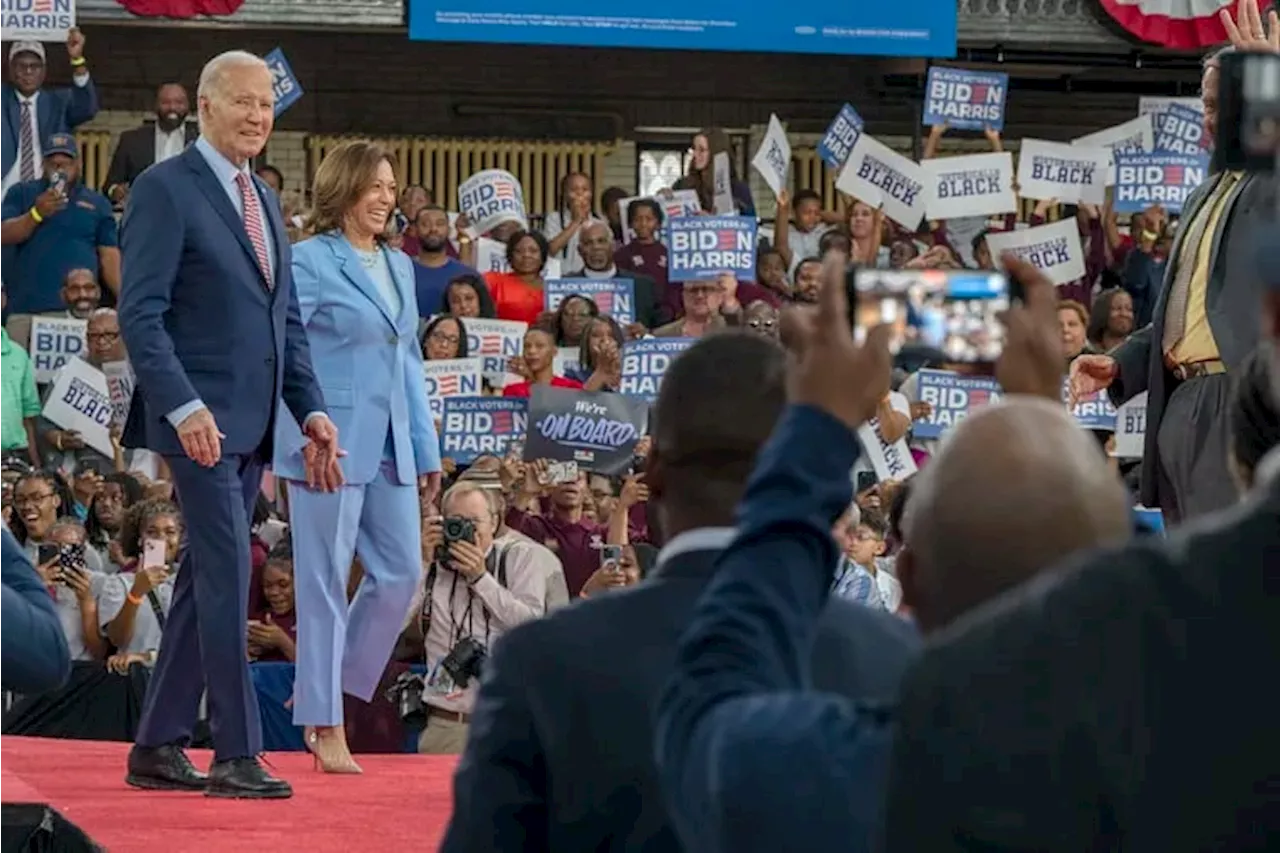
(368, 364)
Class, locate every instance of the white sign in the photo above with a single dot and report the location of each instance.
(1134, 135)
(451, 377)
(1131, 428)
(54, 340)
(37, 20)
(889, 461)
(773, 160)
(974, 185)
(1069, 173)
(881, 177)
(1053, 249)
(671, 203)
(722, 181)
(492, 197)
(79, 400)
(496, 342)
(1152, 104)
(491, 256)
(120, 382)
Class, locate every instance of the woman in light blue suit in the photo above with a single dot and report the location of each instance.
(358, 305)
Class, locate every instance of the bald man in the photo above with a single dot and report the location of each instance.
(595, 244)
(1015, 488)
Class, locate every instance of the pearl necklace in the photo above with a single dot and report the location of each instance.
(369, 260)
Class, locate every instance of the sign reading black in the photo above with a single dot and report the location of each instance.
(598, 431)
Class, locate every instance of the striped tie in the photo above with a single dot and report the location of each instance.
(26, 144)
(253, 224)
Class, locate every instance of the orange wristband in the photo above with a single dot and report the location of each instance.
(133, 599)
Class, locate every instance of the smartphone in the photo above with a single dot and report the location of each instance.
(955, 311)
(866, 480)
(58, 182)
(559, 473)
(154, 552)
(45, 553)
(71, 556)
(611, 558)
(515, 450)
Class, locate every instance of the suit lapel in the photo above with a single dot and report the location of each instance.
(1189, 213)
(11, 120)
(217, 196)
(355, 273)
(404, 286)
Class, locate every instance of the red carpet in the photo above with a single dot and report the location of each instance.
(401, 802)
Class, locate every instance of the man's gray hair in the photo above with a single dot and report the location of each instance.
(101, 312)
(214, 73)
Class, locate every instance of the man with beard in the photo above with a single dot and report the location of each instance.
(434, 268)
(152, 143)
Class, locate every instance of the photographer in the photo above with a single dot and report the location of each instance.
(473, 592)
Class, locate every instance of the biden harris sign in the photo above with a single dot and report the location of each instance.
(702, 247)
(926, 28)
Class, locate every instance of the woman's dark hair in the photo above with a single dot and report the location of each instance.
(488, 310)
(586, 359)
(1253, 416)
(557, 319)
(609, 201)
(281, 553)
(898, 509)
(543, 248)
(136, 520)
(654, 208)
(1100, 315)
(56, 484)
(436, 321)
(262, 512)
(95, 533)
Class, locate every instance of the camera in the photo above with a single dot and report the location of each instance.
(1248, 137)
(465, 661)
(406, 695)
(455, 529)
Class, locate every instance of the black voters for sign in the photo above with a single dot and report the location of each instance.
(599, 431)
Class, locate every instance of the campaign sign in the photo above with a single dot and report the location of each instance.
(79, 400)
(567, 361)
(1151, 519)
(451, 377)
(951, 398)
(1069, 173)
(481, 426)
(926, 28)
(1156, 104)
(881, 177)
(613, 296)
(1179, 130)
(54, 340)
(120, 382)
(284, 84)
(889, 461)
(597, 430)
(1165, 179)
(1053, 249)
(671, 203)
(702, 247)
(495, 342)
(1130, 137)
(1093, 411)
(37, 20)
(1131, 428)
(837, 143)
(965, 100)
(490, 198)
(773, 160)
(645, 361)
(978, 185)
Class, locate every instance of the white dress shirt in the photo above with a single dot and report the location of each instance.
(170, 143)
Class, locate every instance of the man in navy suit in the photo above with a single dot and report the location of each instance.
(211, 322)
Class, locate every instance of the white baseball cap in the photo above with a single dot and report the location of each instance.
(26, 47)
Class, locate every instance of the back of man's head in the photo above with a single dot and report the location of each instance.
(1015, 489)
(718, 404)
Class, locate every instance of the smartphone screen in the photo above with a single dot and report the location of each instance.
(45, 553)
(154, 552)
(562, 472)
(955, 311)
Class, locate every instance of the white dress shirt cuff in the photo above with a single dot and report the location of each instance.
(311, 415)
(80, 78)
(180, 414)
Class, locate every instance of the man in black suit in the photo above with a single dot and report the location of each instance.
(154, 142)
(561, 750)
(35, 648)
(595, 243)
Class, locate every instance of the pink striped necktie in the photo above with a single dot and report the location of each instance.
(253, 224)
(26, 144)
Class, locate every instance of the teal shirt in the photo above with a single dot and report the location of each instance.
(20, 400)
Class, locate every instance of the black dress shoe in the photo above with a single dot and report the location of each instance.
(244, 779)
(163, 768)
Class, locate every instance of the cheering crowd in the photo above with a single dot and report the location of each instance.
(420, 506)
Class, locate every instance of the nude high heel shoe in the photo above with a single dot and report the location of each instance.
(330, 753)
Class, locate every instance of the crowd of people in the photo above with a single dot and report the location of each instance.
(387, 573)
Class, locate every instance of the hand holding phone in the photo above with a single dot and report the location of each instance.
(154, 552)
(560, 473)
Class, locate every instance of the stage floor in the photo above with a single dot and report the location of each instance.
(401, 802)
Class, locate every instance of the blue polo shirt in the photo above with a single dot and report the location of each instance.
(67, 240)
(431, 282)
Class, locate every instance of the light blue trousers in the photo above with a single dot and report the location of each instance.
(345, 648)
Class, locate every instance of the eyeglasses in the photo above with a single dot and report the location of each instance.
(31, 500)
(761, 323)
(102, 336)
(444, 338)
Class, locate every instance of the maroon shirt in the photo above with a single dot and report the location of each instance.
(749, 291)
(287, 621)
(651, 259)
(572, 540)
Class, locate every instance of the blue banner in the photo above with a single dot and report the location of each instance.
(645, 361)
(481, 426)
(702, 247)
(837, 143)
(951, 397)
(1093, 412)
(1152, 520)
(1178, 130)
(286, 86)
(1165, 179)
(965, 100)
(867, 29)
(613, 296)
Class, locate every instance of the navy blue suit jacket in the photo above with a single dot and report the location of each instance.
(197, 318)
(34, 649)
(752, 755)
(57, 111)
